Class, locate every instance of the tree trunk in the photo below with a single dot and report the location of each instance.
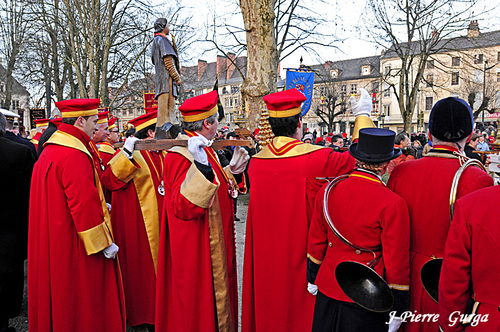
(262, 62)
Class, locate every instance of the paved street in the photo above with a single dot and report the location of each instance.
(21, 322)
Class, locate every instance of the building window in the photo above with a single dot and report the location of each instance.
(387, 70)
(365, 70)
(387, 109)
(2, 87)
(354, 89)
(430, 64)
(235, 89)
(429, 101)
(478, 76)
(498, 56)
(455, 61)
(429, 80)
(478, 59)
(455, 78)
(498, 76)
(497, 99)
(343, 88)
(387, 90)
(334, 73)
(15, 104)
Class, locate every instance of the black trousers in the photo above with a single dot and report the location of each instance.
(332, 315)
(11, 294)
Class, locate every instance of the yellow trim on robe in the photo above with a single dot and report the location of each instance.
(279, 142)
(123, 168)
(64, 139)
(146, 194)
(197, 189)
(106, 148)
(67, 140)
(315, 261)
(96, 239)
(360, 123)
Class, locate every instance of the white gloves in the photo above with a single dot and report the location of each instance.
(312, 288)
(196, 144)
(109, 207)
(128, 146)
(363, 106)
(395, 324)
(239, 160)
(111, 251)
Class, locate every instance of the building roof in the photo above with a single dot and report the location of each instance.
(461, 43)
(349, 69)
(17, 88)
(190, 79)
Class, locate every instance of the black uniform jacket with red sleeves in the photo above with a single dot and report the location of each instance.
(471, 264)
(368, 214)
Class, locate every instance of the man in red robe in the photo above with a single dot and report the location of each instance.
(196, 287)
(135, 179)
(40, 125)
(470, 266)
(74, 282)
(283, 184)
(425, 184)
(100, 146)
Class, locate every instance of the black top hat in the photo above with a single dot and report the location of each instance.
(375, 145)
(451, 119)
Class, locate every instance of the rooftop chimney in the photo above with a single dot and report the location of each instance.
(202, 64)
(221, 65)
(473, 29)
(328, 64)
(230, 66)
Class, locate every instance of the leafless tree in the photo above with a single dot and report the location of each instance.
(13, 32)
(271, 31)
(414, 31)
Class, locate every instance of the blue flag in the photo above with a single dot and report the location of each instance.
(302, 81)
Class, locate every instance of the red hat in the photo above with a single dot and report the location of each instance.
(284, 103)
(318, 139)
(56, 121)
(344, 135)
(256, 132)
(199, 107)
(144, 121)
(329, 139)
(41, 123)
(103, 117)
(73, 108)
(111, 123)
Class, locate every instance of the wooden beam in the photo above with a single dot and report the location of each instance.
(165, 144)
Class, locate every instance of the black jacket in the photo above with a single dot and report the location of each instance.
(16, 166)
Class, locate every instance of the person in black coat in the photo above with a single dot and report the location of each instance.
(16, 165)
(10, 133)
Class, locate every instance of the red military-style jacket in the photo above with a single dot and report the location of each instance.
(425, 184)
(368, 214)
(471, 264)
